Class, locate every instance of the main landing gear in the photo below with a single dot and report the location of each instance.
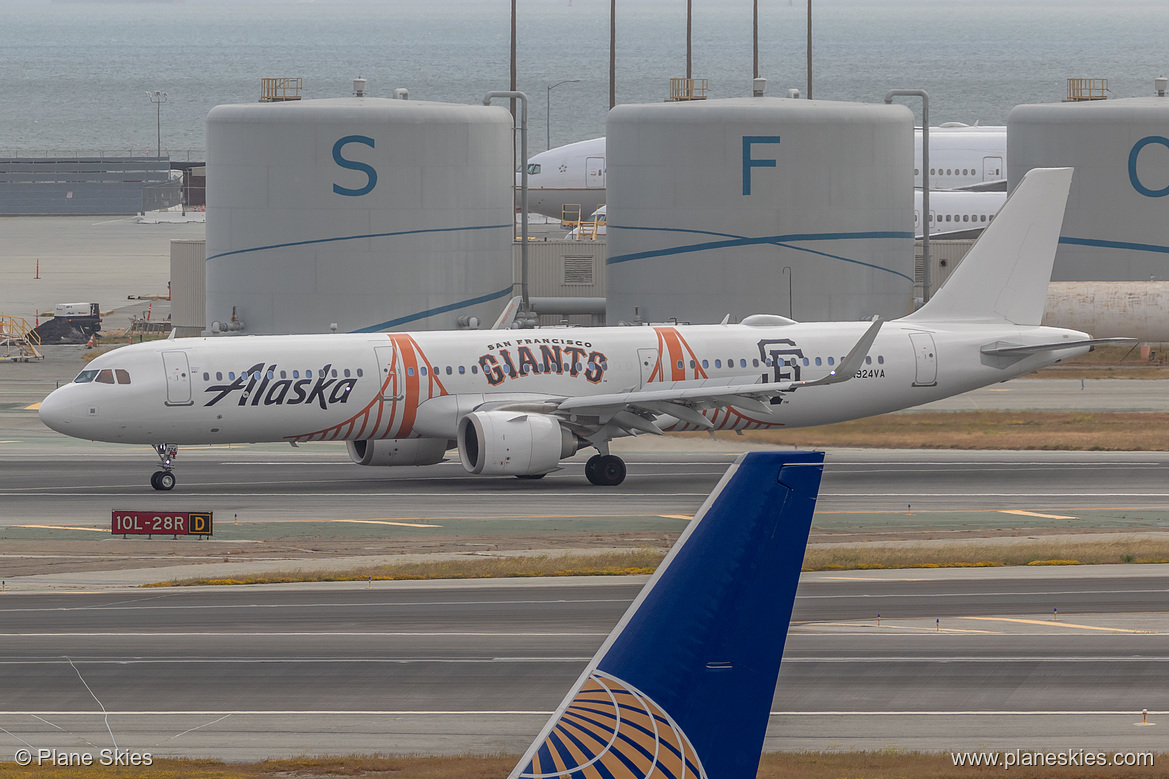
(164, 480)
(605, 470)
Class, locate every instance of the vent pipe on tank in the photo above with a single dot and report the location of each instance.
(1161, 84)
(794, 94)
(401, 93)
(359, 86)
(758, 87)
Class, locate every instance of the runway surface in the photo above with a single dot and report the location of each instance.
(422, 667)
(278, 492)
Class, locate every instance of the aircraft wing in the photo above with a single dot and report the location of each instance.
(632, 410)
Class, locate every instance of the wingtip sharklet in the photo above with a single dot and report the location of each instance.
(684, 684)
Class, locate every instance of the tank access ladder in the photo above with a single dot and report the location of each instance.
(18, 342)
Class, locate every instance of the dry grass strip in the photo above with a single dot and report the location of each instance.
(885, 764)
(1035, 430)
(622, 563)
(974, 555)
(645, 561)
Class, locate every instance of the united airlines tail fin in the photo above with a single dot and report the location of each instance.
(682, 688)
(1005, 275)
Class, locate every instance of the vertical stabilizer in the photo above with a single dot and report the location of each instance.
(682, 688)
(1004, 277)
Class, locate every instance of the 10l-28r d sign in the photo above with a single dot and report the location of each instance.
(142, 523)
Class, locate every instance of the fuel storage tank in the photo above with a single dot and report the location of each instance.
(1115, 226)
(759, 205)
(367, 213)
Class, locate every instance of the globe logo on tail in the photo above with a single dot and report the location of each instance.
(612, 730)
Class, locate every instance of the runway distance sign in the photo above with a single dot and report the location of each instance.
(160, 523)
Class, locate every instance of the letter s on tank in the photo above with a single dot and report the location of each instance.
(370, 173)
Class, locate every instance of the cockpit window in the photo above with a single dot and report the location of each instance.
(533, 169)
(85, 377)
(105, 377)
(123, 376)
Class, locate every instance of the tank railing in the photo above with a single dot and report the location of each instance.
(175, 155)
(688, 88)
(1087, 89)
(275, 90)
(15, 333)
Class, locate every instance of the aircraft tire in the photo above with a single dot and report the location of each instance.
(164, 481)
(591, 468)
(609, 470)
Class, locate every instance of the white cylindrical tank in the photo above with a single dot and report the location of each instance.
(759, 205)
(370, 213)
(1111, 309)
(1114, 228)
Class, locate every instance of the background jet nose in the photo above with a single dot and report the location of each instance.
(54, 412)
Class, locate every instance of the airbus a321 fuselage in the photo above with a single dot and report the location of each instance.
(517, 402)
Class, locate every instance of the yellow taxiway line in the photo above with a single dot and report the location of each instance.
(68, 527)
(1051, 623)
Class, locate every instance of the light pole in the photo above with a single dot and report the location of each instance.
(548, 112)
(526, 307)
(158, 98)
(925, 182)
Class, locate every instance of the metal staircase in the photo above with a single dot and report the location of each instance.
(18, 342)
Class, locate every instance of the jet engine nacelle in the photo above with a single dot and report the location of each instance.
(398, 451)
(513, 443)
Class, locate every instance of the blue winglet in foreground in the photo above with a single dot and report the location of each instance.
(682, 688)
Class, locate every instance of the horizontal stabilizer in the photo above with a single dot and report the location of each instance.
(1001, 349)
(682, 688)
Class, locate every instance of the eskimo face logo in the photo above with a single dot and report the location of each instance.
(260, 386)
(539, 356)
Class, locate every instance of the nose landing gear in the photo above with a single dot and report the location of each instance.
(164, 480)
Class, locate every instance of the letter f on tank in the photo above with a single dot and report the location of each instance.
(748, 162)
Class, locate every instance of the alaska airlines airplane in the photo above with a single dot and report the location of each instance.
(683, 686)
(568, 182)
(517, 402)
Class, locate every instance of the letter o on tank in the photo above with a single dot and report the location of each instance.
(1133, 177)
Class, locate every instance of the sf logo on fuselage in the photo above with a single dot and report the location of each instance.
(776, 352)
(260, 385)
(536, 356)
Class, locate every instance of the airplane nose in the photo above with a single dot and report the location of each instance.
(54, 412)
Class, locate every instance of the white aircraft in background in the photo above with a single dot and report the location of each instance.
(961, 156)
(953, 214)
(517, 402)
(957, 213)
(564, 178)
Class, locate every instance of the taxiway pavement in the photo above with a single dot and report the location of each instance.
(477, 666)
